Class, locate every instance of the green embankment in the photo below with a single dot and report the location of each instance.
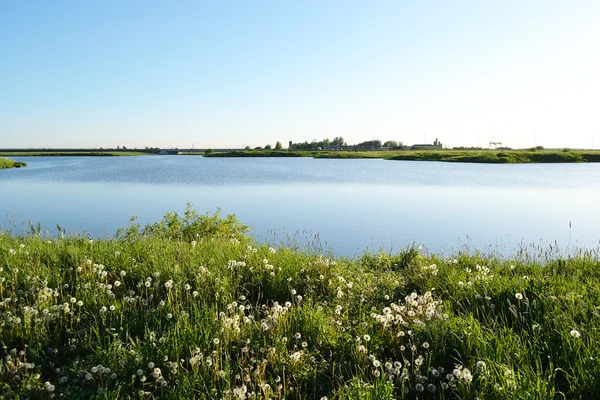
(70, 153)
(502, 157)
(257, 153)
(191, 307)
(6, 163)
(470, 156)
(302, 153)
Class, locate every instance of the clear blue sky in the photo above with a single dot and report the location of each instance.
(236, 73)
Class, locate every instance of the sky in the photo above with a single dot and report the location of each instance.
(229, 74)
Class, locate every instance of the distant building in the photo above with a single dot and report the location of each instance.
(436, 145)
(165, 152)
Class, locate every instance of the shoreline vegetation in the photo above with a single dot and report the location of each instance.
(7, 163)
(470, 156)
(54, 153)
(419, 154)
(193, 307)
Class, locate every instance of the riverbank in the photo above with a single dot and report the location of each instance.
(312, 154)
(502, 157)
(470, 156)
(70, 153)
(7, 163)
(192, 307)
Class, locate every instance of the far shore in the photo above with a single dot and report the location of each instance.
(491, 156)
(469, 156)
(56, 153)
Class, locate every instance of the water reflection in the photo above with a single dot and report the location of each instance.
(346, 204)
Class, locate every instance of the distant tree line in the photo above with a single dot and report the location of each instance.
(319, 145)
(340, 143)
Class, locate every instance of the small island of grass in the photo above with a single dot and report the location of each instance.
(6, 163)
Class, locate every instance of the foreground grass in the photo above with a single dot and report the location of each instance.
(191, 307)
(470, 156)
(70, 153)
(6, 163)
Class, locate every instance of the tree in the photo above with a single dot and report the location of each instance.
(338, 141)
(278, 146)
(208, 152)
(247, 148)
(268, 147)
(391, 144)
(371, 144)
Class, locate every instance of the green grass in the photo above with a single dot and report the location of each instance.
(470, 156)
(302, 153)
(6, 163)
(501, 157)
(258, 153)
(191, 307)
(69, 153)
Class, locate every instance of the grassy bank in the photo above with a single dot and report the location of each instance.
(191, 307)
(6, 163)
(258, 153)
(470, 156)
(313, 154)
(501, 157)
(70, 153)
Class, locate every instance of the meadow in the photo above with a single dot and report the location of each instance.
(6, 163)
(192, 307)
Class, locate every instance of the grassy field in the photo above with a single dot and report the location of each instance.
(314, 154)
(470, 156)
(502, 157)
(258, 153)
(6, 163)
(191, 307)
(69, 153)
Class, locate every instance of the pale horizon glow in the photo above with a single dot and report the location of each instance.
(236, 73)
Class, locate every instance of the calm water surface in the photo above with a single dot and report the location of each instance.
(341, 205)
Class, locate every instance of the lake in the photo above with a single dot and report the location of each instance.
(343, 206)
